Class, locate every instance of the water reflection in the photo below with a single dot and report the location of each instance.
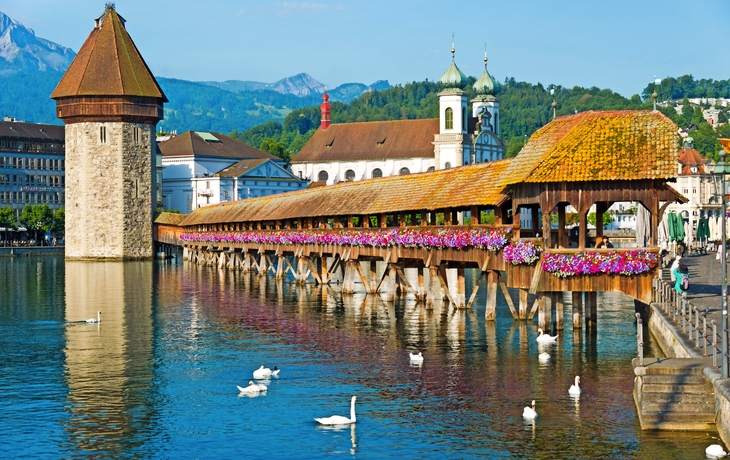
(108, 364)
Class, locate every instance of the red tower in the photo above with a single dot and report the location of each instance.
(325, 112)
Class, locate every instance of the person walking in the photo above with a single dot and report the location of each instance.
(681, 275)
(675, 266)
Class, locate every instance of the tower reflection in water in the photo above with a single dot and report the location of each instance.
(105, 405)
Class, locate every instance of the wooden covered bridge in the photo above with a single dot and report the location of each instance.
(466, 217)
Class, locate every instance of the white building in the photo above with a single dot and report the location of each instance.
(358, 151)
(200, 168)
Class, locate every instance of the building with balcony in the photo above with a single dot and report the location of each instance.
(32, 165)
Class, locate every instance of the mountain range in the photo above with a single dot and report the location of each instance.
(31, 67)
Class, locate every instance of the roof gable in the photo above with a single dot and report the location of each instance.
(599, 145)
(191, 144)
(371, 140)
(108, 64)
(256, 169)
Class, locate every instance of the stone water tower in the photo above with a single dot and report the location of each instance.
(110, 103)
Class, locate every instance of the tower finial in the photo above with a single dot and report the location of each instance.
(453, 50)
(110, 6)
(485, 55)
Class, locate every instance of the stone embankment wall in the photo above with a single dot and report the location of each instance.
(674, 344)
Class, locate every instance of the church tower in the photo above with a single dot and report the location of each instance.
(110, 103)
(453, 119)
(485, 108)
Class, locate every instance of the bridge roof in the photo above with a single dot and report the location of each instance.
(599, 146)
(474, 185)
(376, 140)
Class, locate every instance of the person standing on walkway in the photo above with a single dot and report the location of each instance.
(681, 275)
(675, 266)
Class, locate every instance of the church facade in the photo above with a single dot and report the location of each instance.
(359, 151)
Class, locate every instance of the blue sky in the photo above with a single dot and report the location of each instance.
(615, 44)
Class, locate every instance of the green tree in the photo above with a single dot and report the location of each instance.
(59, 221)
(37, 218)
(607, 218)
(275, 148)
(7, 220)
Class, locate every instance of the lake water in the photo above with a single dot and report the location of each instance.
(157, 377)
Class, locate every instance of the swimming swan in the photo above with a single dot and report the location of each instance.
(545, 338)
(715, 451)
(529, 412)
(575, 389)
(543, 356)
(338, 419)
(95, 320)
(416, 359)
(252, 388)
(263, 372)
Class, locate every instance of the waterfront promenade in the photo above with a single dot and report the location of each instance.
(705, 290)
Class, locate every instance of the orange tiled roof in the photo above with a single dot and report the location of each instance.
(371, 140)
(191, 144)
(456, 187)
(599, 146)
(689, 158)
(108, 64)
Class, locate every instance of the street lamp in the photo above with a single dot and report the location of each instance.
(720, 170)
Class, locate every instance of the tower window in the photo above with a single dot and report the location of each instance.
(377, 173)
(136, 135)
(102, 134)
(449, 118)
(463, 119)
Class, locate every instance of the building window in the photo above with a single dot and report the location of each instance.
(377, 173)
(349, 175)
(404, 171)
(323, 176)
(300, 175)
(136, 135)
(449, 118)
(447, 165)
(102, 133)
(431, 168)
(463, 119)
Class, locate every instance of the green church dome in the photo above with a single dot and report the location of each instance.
(453, 78)
(486, 85)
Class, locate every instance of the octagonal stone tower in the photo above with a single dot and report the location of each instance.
(110, 103)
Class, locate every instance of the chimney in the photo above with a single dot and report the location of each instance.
(325, 112)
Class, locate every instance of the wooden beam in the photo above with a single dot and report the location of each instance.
(507, 296)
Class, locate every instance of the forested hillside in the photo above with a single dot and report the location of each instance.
(524, 107)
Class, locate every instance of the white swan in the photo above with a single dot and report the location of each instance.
(338, 419)
(715, 451)
(95, 320)
(543, 357)
(575, 389)
(275, 372)
(416, 359)
(252, 388)
(545, 338)
(262, 372)
(529, 412)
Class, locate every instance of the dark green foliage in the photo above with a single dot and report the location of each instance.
(26, 96)
(686, 86)
(37, 218)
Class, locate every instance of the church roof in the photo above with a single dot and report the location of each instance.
(486, 84)
(211, 145)
(375, 140)
(453, 78)
(599, 146)
(689, 158)
(108, 64)
(447, 188)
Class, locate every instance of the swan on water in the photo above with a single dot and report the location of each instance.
(416, 359)
(545, 338)
(275, 372)
(715, 451)
(95, 320)
(529, 412)
(262, 372)
(575, 389)
(543, 356)
(251, 388)
(339, 419)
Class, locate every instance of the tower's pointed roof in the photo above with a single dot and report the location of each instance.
(108, 64)
(453, 78)
(486, 85)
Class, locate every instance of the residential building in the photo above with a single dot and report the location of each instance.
(358, 151)
(695, 182)
(32, 165)
(201, 168)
